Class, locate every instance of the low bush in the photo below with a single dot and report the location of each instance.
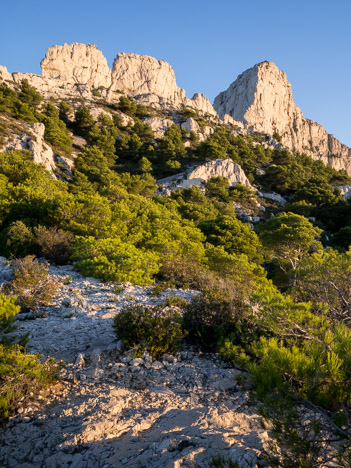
(176, 301)
(55, 244)
(186, 273)
(209, 317)
(156, 329)
(21, 375)
(33, 285)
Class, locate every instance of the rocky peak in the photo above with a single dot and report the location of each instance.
(74, 70)
(77, 63)
(261, 98)
(141, 74)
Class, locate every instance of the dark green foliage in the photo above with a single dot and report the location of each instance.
(217, 187)
(171, 146)
(194, 205)
(65, 111)
(220, 461)
(55, 130)
(317, 192)
(127, 105)
(210, 317)
(83, 121)
(17, 240)
(342, 239)
(223, 144)
(29, 95)
(233, 235)
(156, 329)
(290, 172)
(94, 164)
(103, 135)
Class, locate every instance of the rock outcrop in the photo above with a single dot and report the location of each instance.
(261, 98)
(74, 70)
(77, 63)
(198, 176)
(32, 139)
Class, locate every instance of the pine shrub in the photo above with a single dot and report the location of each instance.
(156, 329)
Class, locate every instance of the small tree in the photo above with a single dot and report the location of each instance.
(144, 165)
(289, 237)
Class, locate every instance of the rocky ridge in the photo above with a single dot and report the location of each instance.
(261, 98)
(77, 70)
(112, 409)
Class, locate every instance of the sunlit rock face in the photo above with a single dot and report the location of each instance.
(198, 176)
(261, 98)
(76, 70)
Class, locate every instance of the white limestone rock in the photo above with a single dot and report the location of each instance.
(4, 74)
(198, 176)
(159, 125)
(261, 98)
(190, 125)
(32, 139)
(274, 197)
(75, 70)
(77, 63)
(345, 190)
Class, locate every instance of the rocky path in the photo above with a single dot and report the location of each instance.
(112, 410)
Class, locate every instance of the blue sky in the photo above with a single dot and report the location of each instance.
(208, 43)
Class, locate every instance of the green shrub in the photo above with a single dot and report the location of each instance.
(175, 301)
(157, 329)
(33, 285)
(17, 240)
(8, 312)
(55, 244)
(114, 260)
(186, 273)
(209, 317)
(21, 375)
(220, 461)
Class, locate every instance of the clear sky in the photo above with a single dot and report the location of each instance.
(208, 43)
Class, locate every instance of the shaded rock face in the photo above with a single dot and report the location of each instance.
(261, 98)
(199, 175)
(77, 69)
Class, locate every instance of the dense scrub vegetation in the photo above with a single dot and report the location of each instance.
(275, 299)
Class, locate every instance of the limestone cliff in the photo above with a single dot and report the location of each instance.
(76, 70)
(77, 63)
(32, 139)
(199, 175)
(261, 98)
